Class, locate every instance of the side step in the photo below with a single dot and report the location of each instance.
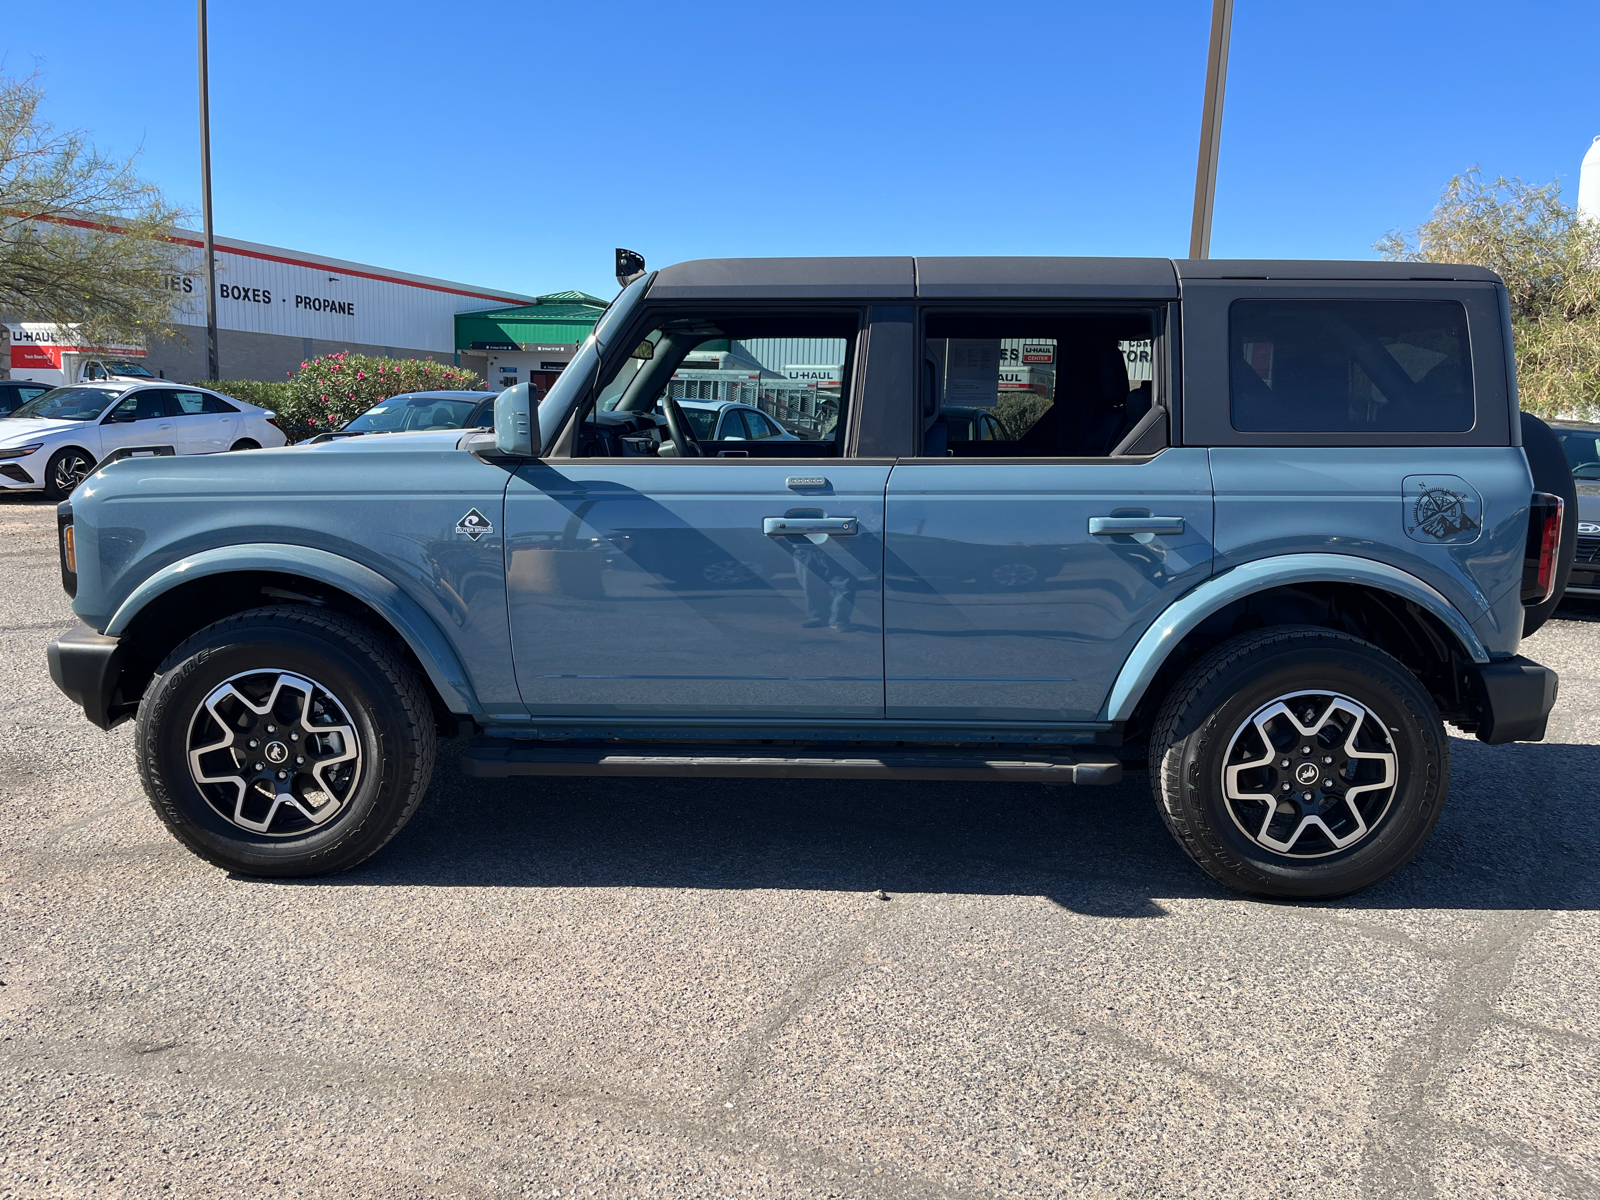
(498, 758)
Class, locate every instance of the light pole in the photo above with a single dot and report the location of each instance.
(1205, 179)
(213, 370)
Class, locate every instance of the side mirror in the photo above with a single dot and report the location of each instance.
(516, 422)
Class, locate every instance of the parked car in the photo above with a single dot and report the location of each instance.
(15, 393)
(425, 410)
(728, 421)
(1580, 440)
(54, 440)
(1272, 571)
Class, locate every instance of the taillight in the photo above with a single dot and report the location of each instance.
(69, 547)
(1543, 556)
(273, 421)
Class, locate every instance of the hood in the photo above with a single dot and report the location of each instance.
(367, 443)
(21, 429)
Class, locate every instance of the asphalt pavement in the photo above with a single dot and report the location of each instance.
(693, 988)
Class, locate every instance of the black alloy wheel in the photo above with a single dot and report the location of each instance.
(286, 741)
(1299, 763)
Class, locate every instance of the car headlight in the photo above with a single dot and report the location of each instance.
(22, 451)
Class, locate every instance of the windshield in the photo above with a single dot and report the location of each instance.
(66, 404)
(1583, 451)
(121, 366)
(703, 421)
(413, 412)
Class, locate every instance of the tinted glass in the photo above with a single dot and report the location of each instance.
(1034, 385)
(190, 404)
(1582, 447)
(122, 366)
(67, 404)
(9, 399)
(414, 412)
(216, 404)
(703, 422)
(147, 405)
(1349, 366)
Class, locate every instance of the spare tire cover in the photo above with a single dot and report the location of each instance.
(1551, 473)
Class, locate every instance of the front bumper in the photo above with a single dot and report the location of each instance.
(86, 666)
(1516, 696)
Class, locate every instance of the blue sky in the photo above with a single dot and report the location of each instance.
(514, 145)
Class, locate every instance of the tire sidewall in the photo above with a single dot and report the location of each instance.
(51, 491)
(1393, 697)
(375, 711)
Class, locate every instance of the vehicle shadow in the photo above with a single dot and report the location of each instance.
(1099, 851)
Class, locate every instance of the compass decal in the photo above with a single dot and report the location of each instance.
(1441, 509)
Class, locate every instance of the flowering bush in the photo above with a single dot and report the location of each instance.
(328, 391)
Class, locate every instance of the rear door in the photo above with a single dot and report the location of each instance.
(1021, 570)
(199, 425)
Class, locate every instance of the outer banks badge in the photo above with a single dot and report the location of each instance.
(474, 525)
(1441, 509)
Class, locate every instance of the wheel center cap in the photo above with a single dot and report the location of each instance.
(277, 752)
(1305, 774)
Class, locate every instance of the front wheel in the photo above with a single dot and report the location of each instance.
(1300, 763)
(66, 469)
(285, 742)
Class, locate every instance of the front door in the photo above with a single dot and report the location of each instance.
(707, 581)
(670, 589)
(141, 420)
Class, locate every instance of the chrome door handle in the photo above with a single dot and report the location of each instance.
(781, 526)
(1100, 526)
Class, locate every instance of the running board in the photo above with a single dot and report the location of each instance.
(498, 758)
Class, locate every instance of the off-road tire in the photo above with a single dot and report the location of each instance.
(1192, 731)
(386, 702)
(52, 489)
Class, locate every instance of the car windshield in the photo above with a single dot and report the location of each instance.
(414, 412)
(66, 404)
(121, 366)
(702, 421)
(1583, 451)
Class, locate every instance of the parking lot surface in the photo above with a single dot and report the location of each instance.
(686, 988)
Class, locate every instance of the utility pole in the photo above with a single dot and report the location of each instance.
(213, 370)
(1205, 179)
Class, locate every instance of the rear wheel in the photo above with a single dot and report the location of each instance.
(245, 444)
(285, 741)
(1299, 762)
(67, 468)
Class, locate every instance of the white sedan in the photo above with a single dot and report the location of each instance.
(55, 440)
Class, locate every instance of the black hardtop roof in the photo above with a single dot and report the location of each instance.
(1014, 277)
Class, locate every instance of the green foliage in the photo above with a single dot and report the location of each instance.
(104, 273)
(328, 391)
(261, 393)
(1018, 411)
(1550, 261)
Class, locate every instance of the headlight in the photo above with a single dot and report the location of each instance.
(22, 451)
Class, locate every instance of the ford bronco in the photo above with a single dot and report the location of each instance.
(1261, 526)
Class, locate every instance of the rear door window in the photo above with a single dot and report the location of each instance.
(1349, 366)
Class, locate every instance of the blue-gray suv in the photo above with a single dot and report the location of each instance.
(1262, 526)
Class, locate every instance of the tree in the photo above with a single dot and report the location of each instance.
(84, 241)
(1550, 261)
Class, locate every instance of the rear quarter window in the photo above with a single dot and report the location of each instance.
(1349, 366)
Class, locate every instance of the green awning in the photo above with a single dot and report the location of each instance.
(561, 317)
